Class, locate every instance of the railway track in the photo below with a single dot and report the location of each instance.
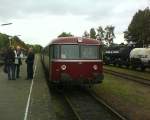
(128, 77)
(129, 68)
(86, 106)
(1, 62)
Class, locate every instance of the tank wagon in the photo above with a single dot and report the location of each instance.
(128, 56)
(140, 57)
(118, 55)
(73, 60)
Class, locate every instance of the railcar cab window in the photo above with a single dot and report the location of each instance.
(89, 52)
(76, 52)
(69, 52)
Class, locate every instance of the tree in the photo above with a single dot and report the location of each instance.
(103, 35)
(92, 33)
(65, 34)
(86, 34)
(16, 41)
(100, 33)
(37, 48)
(109, 34)
(139, 29)
(4, 41)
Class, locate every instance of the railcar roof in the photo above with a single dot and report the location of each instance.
(75, 40)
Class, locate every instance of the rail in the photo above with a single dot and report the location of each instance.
(86, 106)
(134, 78)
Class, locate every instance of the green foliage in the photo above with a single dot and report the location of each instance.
(105, 35)
(16, 41)
(65, 34)
(139, 28)
(86, 34)
(100, 32)
(4, 41)
(109, 34)
(37, 48)
(92, 33)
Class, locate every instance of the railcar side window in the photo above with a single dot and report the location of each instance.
(51, 52)
(70, 52)
(56, 52)
(47, 51)
(89, 52)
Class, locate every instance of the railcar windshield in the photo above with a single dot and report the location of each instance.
(89, 52)
(70, 52)
(76, 52)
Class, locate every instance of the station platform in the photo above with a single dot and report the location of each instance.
(23, 99)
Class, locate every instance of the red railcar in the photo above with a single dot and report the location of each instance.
(74, 60)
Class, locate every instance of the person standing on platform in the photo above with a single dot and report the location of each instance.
(17, 61)
(10, 59)
(30, 62)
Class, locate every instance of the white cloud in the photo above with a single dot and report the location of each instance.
(42, 29)
(40, 21)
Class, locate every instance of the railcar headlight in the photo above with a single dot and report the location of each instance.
(63, 67)
(95, 67)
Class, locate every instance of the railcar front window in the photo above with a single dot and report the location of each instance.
(70, 52)
(89, 52)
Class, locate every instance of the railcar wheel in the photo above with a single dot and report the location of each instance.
(52, 85)
(89, 86)
(60, 87)
(127, 66)
(114, 64)
(143, 68)
(133, 67)
(119, 65)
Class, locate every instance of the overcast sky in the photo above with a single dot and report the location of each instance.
(39, 21)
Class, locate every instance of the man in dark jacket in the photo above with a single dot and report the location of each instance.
(9, 59)
(30, 62)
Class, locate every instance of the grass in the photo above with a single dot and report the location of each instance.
(124, 90)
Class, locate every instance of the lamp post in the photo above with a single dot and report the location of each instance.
(17, 35)
(6, 24)
(10, 38)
